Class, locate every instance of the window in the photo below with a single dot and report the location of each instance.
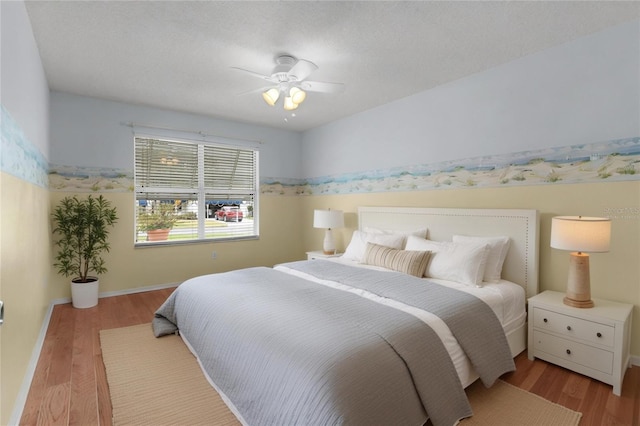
(191, 191)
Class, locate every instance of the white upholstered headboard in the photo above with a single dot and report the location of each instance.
(521, 226)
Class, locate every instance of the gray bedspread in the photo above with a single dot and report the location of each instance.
(472, 322)
(287, 351)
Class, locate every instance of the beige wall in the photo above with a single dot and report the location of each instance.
(614, 275)
(130, 267)
(24, 278)
(30, 282)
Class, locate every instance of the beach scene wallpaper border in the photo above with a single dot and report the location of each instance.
(19, 156)
(616, 160)
(611, 161)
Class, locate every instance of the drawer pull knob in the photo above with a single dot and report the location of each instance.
(569, 327)
(545, 320)
(599, 334)
(568, 351)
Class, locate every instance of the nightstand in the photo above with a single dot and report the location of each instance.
(312, 255)
(590, 341)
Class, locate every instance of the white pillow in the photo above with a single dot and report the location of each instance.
(356, 248)
(498, 248)
(421, 232)
(460, 262)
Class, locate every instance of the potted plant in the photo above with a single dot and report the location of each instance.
(158, 222)
(83, 228)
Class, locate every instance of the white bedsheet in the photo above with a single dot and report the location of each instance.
(505, 298)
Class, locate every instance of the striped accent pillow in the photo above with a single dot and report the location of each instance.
(406, 261)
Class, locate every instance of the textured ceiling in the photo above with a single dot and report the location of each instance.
(178, 55)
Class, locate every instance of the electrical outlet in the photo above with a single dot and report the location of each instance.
(214, 255)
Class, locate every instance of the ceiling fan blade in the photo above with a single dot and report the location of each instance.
(302, 69)
(255, 74)
(321, 86)
(254, 91)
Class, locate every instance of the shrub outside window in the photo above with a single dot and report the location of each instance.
(191, 191)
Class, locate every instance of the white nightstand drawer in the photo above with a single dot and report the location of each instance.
(567, 325)
(597, 339)
(588, 356)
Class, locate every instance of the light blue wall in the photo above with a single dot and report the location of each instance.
(24, 92)
(90, 132)
(585, 91)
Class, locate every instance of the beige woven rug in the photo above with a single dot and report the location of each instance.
(159, 382)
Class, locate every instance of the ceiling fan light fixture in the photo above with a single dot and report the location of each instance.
(271, 96)
(297, 95)
(289, 77)
(289, 105)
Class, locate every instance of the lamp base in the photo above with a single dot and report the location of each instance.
(329, 245)
(578, 303)
(578, 284)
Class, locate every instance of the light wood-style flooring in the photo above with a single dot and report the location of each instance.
(70, 385)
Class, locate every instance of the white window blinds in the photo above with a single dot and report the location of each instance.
(198, 178)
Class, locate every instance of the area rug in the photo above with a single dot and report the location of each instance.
(159, 382)
(505, 404)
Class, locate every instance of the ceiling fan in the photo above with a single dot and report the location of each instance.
(289, 78)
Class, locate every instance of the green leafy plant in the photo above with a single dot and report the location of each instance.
(161, 216)
(83, 229)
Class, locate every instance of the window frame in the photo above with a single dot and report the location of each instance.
(200, 190)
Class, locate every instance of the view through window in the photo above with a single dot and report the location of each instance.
(190, 191)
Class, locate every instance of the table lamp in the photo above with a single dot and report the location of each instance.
(580, 234)
(328, 219)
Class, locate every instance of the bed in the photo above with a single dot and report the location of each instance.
(342, 342)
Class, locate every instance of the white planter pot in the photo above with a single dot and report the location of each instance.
(84, 295)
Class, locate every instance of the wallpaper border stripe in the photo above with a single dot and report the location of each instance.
(611, 161)
(19, 156)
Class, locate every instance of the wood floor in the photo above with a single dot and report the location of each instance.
(70, 386)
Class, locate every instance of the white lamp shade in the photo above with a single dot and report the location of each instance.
(297, 95)
(271, 96)
(328, 219)
(581, 234)
(289, 105)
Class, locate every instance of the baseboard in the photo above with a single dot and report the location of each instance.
(635, 360)
(21, 398)
(64, 300)
(137, 290)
